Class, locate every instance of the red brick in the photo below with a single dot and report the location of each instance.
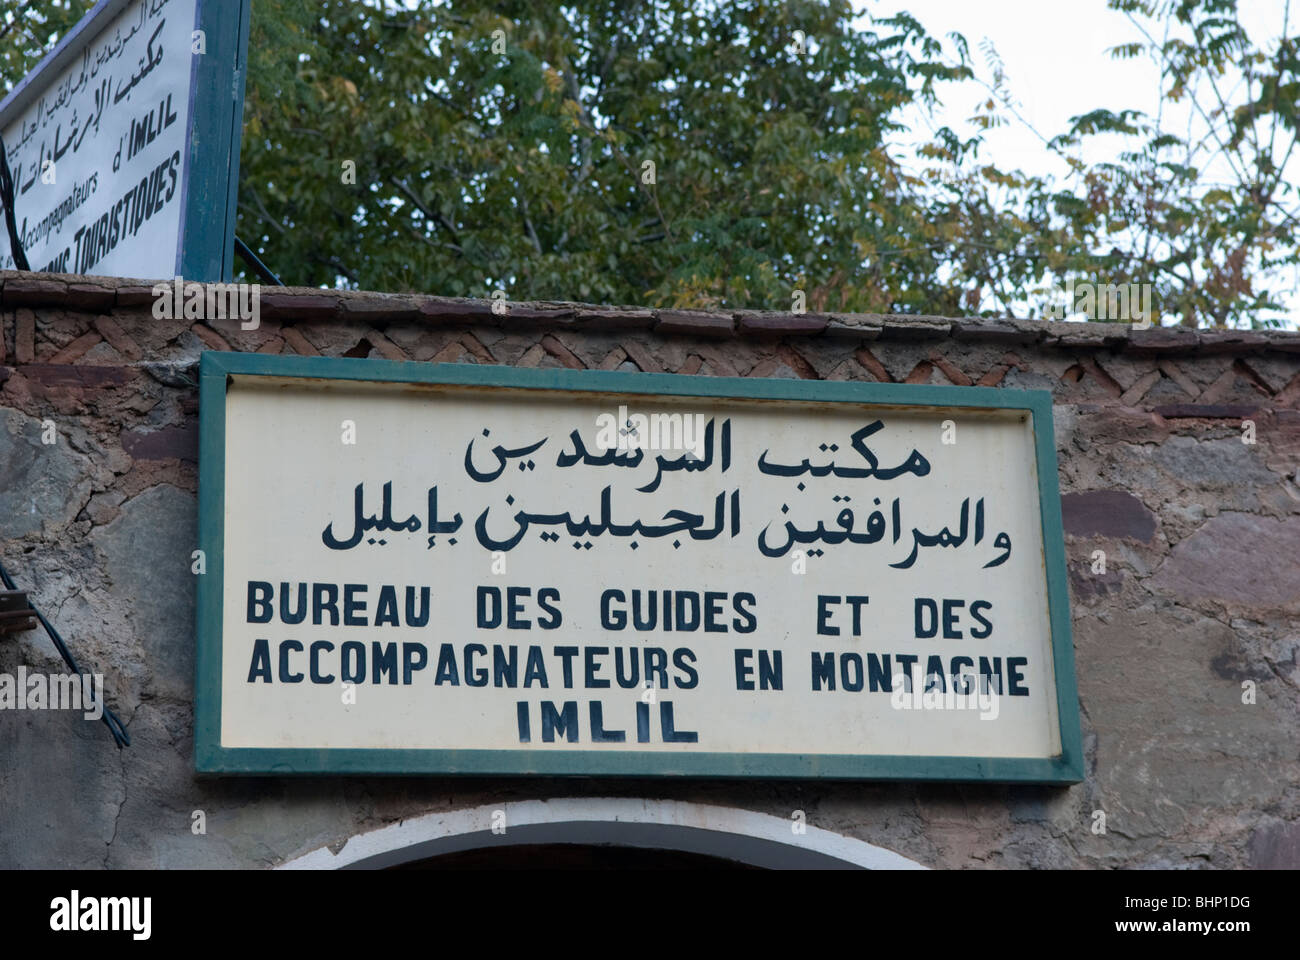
(174, 442)
(532, 314)
(376, 308)
(1108, 422)
(24, 336)
(1247, 371)
(1206, 411)
(782, 324)
(793, 359)
(1215, 391)
(448, 309)
(386, 347)
(30, 290)
(89, 376)
(299, 307)
(211, 338)
(1161, 340)
(77, 348)
(1236, 559)
(1109, 383)
(920, 373)
(475, 346)
(721, 365)
(856, 325)
(556, 348)
(1107, 513)
(1139, 390)
(450, 353)
(996, 331)
(90, 298)
(1287, 395)
(994, 376)
(615, 358)
(118, 337)
(915, 328)
(1174, 373)
(1230, 341)
(641, 357)
(298, 342)
(1275, 846)
(1089, 335)
(872, 365)
(132, 297)
(950, 370)
(532, 356)
(695, 323)
(614, 318)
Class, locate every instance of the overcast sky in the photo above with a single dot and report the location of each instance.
(1055, 54)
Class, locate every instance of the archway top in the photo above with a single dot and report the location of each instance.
(745, 836)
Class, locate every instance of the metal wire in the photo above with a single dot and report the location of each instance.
(254, 261)
(7, 197)
(115, 726)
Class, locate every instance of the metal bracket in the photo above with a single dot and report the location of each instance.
(16, 613)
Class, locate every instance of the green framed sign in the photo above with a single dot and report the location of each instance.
(124, 142)
(451, 569)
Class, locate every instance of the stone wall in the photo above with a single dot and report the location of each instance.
(1201, 591)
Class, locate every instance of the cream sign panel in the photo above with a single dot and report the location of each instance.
(626, 579)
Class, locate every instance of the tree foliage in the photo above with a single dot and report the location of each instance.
(29, 29)
(668, 152)
(1206, 206)
(699, 154)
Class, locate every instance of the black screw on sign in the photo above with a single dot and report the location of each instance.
(15, 612)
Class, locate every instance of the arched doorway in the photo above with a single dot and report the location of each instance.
(593, 827)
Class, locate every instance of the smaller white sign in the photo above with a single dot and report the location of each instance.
(97, 142)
